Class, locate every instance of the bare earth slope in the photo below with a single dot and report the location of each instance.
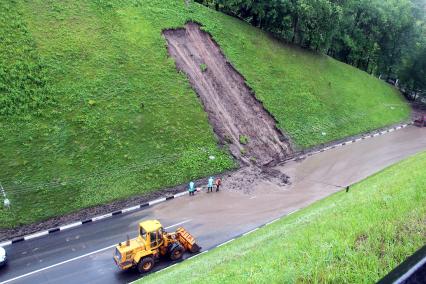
(232, 107)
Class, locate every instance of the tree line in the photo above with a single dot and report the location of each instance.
(386, 38)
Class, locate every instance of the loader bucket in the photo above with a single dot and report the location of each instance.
(187, 240)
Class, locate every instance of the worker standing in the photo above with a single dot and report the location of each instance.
(191, 188)
(210, 185)
(218, 183)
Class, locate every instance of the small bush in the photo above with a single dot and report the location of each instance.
(244, 140)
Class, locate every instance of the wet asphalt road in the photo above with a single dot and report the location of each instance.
(84, 254)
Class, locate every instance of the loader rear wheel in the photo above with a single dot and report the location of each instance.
(176, 253)
(146, 264)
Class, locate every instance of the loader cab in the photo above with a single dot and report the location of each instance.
(151, 232)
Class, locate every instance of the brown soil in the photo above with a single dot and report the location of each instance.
(245, 179)
(232, 108)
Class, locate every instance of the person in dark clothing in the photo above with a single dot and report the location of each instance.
(218, 184)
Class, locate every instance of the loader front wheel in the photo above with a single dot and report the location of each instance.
(146, 264)
(176, 253)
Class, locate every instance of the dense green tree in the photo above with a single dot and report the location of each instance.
(383, 37)
(412, 71)
(317, 22)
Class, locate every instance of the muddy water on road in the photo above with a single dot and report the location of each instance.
(232, 108)
(335, 168)
(258, 200)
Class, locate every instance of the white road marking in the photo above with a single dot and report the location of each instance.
(222, 244)
(75, 258)
(177, 224)
(173, 265)
(273, 221)
(57, 264)
(292, 212)
(249, 232)
(252, 197)
(196, 255)
(170, 266)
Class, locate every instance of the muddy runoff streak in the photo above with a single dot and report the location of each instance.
(233, 110)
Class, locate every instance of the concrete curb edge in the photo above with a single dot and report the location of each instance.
(94, 219)
(302, 156)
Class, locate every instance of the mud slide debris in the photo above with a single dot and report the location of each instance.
(237, 117)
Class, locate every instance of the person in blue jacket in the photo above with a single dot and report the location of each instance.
(210, 185)
(191, 188)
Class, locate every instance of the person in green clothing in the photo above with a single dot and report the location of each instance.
(191, 188)
(210, 185)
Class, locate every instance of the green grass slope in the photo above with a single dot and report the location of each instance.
(354, 237)
(93, 110)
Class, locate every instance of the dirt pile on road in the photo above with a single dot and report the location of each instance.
(237, 117)
(246, 178)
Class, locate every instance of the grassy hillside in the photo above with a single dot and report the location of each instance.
(354, 237)
(93, 110)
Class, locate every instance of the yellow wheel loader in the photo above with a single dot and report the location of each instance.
(152, 243)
